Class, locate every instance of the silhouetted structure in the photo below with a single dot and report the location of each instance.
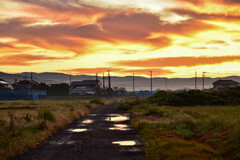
(58, 89)
(82, 91)
(5, 84)
(224, 84)
(94, 84)
(26, 84)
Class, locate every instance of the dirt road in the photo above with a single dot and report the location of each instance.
(105, 134)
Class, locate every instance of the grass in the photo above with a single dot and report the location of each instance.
(201, 132)
(25, 124)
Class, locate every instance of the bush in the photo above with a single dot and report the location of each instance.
(197, 97)
(97, 101)
(128, 105)
(46, 114)
(42, 125)
(28, 117)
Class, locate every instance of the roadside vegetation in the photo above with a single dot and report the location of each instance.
(186, 132)
(25, 124)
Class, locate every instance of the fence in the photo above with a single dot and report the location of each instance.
(22, 94)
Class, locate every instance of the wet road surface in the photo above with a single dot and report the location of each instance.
(105, 134)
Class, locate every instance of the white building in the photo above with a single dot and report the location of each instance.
(82, 91)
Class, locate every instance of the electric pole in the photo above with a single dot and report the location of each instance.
(203, 79)
(166, 83)
(133, 85)
(97, 83)
(70, 78)
(109, 82)
(103, 84)
(195, 80)
(31, 76)
(151, 82)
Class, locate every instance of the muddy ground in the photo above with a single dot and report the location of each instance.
(105, 134)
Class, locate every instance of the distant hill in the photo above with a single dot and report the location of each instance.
(141, 83)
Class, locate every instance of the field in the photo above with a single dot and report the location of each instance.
(200, 132)
(25, 124)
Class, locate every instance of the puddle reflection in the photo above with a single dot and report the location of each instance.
(119, 117)
(78, 130)
(125, 143)
(120, 127)
(87, 121)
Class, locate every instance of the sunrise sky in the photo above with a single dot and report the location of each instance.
(173, 38)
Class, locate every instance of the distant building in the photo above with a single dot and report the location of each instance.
(82, 91)
(94, 84)
(5, 85)
(224, 84)
(25, 84)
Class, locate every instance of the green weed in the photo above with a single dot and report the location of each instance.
(46, 114)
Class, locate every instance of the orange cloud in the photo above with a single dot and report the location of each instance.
(177, 61)
(156, 71)
(24, 59)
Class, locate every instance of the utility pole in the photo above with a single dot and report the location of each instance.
(103, 84)
(97, 83)
(151, 82)
(133, 85)
(31, 76)
(195, 80)
(165, 83)
(109, 81)
(70, 80)
(203, 79)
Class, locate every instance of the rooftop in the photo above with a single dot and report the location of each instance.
(225, 82)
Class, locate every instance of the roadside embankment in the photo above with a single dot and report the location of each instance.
(200, 132)
(25, 124)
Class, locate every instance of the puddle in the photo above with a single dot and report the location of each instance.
(125, 143)
(131, 150)
(78, 130)
(117, 118)
(120, 127)
(87, 121)
(61, 143)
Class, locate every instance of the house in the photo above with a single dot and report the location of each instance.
(26, 84)
(94, 84)
(5, 85)
(81, 91)
(224, 84)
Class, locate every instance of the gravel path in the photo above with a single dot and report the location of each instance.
(105, 134)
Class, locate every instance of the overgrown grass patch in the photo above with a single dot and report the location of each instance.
(201, 132)
(24, 124)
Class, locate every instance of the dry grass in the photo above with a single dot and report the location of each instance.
(202, 132)
(25, 124)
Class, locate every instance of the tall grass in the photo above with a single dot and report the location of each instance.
(24, 124)
(200, 132)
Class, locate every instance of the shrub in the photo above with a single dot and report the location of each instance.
(197, 97)
(126, 106)
(97, 101)
(42, 125)
(46, 114)
(28, 117)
